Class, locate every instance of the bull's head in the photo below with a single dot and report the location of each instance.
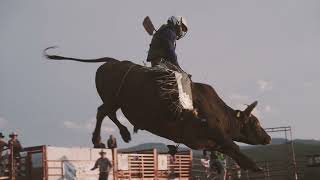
(251, 131)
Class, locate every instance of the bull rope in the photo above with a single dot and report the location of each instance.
(166, 84)
(123, 78)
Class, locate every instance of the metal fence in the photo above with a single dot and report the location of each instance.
(12, 166)
(45, 163)
(286, 168)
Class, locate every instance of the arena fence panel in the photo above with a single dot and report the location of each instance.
(56, 163)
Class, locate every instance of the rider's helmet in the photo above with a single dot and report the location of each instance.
(180, 25)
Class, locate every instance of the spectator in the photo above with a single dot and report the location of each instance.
(205, 161)
(238, 171)
(2, 144)
(112, 142)
(171, 173)
(104, 165)
(218, 162)
(15, 145)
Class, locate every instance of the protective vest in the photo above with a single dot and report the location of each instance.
(163, 45)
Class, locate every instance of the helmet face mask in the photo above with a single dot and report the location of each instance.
(180, 32)
(180, 25)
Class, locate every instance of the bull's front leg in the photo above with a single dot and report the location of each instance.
(243, 161)
(222, 140)
(228, 147)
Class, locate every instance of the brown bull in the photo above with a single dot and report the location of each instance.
(130, 87)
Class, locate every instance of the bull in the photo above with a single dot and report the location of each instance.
(130, 87)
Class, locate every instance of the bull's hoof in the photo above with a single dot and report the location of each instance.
(99, 145)
(96, 139)
(125, 134)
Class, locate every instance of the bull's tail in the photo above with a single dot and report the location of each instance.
(55, 57)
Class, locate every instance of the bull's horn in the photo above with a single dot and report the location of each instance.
(250, 108)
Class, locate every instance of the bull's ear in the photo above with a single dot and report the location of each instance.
(250, 108)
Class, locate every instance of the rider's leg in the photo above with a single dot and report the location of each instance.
(155, 62)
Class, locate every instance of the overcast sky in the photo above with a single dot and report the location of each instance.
(247, 50)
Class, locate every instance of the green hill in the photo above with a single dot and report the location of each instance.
(276, 158)
(162, 148)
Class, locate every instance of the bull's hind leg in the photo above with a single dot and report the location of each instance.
(101, 114)
(125, 134)
(104, 111)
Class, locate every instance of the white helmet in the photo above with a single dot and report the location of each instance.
(179, 21)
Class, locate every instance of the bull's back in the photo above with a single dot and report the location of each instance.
(125, 82)
(108, 78)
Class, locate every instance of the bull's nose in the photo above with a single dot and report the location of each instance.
(268, 140)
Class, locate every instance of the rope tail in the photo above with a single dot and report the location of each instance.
(56, 57)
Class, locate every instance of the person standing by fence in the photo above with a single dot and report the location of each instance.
(15, 148)
(104, 165)
(205, 161)
(2, 144)
(218, 162)
(15, 144)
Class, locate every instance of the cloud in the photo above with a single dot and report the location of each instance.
(3, 122)
(241, 102)
(264, 85)
(257, 113)
(308, 84)
(238, 97)
(89, 125)
(74, 125)
(267, 108)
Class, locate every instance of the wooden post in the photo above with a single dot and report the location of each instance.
(129, 164)
(191, 159)
(44, 163)
(155, 162)
(62, 169)
(142, 167)
(29, 165)
(12, 172)
(115, 163)
(180, 169)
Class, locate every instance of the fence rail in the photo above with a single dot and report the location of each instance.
(44, 162)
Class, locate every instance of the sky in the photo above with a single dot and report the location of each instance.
(247, 50)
